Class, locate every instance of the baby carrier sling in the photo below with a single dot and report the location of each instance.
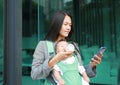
(51, 50)
(50, 47)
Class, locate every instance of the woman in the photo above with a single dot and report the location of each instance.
(61, 28)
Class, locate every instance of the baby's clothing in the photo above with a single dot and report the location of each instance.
(69, 70)
(69, 60)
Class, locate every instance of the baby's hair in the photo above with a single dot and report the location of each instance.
(58, 42)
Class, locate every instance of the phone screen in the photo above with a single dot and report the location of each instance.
(101, 50)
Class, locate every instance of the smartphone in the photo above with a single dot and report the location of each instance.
(101, 50)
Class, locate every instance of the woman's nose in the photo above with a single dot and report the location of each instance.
(68, 27)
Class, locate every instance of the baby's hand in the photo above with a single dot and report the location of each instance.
(61, 82)
(87, 79)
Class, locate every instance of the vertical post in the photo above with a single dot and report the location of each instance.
(76, 7)
(12, 42)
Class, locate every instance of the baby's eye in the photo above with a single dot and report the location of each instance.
(70, 24)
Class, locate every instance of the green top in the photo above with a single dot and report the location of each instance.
(71, 74)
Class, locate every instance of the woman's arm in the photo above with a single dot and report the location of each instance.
(40, 68)
(42, 63)
(58, 57)
(90, 72)
(91, 67)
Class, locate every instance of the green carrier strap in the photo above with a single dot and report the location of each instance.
(50, 47)
(51, 50)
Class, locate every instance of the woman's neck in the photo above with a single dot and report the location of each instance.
(60, 38)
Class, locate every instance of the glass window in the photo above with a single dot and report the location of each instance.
(96, 24)
(1, 41)
(36, 18)
(46, 9)
(29, 38)
(99, 26)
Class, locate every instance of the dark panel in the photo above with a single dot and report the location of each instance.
(12, 42)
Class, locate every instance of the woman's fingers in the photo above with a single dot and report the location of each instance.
(100, 55)
(64, 55)
(96, 60)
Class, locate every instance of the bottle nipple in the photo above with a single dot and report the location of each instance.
(70, 47)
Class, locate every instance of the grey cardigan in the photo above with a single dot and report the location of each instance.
(40, 68)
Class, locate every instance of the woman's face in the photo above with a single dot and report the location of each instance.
(66, 27)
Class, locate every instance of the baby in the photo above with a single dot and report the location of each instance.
(67, 71)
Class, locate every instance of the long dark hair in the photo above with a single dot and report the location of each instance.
(56, 24)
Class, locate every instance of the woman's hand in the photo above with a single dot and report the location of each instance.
(58, 57)
(63, 55)
(96, 60)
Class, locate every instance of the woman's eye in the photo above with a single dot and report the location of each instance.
(65, 24)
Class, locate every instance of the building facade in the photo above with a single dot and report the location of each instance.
(96, 24)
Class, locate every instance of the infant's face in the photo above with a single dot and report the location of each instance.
(61, 46)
